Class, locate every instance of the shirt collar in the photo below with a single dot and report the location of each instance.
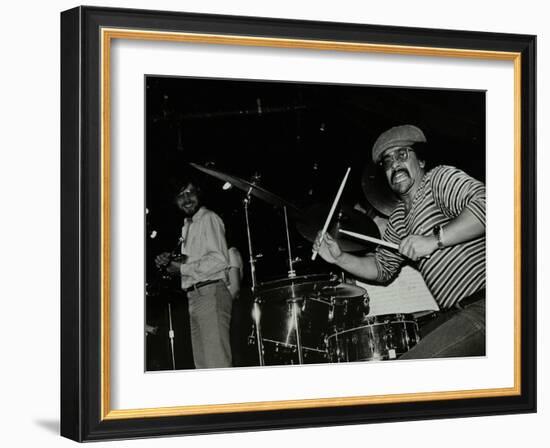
(198, 214)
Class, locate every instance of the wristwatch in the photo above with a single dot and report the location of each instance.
(438, 232)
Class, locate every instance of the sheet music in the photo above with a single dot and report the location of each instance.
(408, 293)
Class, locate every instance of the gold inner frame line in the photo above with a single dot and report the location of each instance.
(107, 35)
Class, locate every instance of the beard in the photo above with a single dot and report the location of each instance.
(189, 208)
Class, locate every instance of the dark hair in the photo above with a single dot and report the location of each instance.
(184, 182)
(420, 149)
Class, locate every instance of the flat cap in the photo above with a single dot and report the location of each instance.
(404, 135)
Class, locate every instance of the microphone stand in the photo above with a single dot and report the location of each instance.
(171, 336)
(163, 275)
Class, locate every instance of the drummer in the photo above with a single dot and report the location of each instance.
(439, 226)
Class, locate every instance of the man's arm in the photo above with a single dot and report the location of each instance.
(234, 282)
(363, 267)
(235, 273)
(459, 196)
(465, 227)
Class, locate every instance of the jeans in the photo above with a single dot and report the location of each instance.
(210, 316)
(455, 333)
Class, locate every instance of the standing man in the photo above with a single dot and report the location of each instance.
(203, 271)
(439, 226)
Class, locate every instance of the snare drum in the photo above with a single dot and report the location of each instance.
(380, 338)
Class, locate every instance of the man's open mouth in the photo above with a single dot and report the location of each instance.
(399, 176)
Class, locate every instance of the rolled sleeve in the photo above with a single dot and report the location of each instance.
(388, 263)
(454, 190)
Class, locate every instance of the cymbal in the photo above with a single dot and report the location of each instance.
(248, 187)
(377, 191)
(311, 221)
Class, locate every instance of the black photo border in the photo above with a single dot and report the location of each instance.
(85, 412)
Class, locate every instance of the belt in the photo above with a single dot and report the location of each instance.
(201, 284)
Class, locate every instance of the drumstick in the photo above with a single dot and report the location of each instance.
(370, 239)
(331, 212)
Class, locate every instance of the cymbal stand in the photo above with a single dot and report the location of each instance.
(256, 312)
(291, 271)
(295, 312)
(256, 317)
(295, 305)
(251, 259)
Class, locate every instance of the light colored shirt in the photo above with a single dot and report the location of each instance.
(205, 247)
(235, 260)
(451, 273)
(236, 272)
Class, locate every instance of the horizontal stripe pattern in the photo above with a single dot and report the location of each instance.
(451, 273)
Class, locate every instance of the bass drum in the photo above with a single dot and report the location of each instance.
(380, 338)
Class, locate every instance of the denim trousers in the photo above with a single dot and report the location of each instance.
(458, 332)
(210, 316)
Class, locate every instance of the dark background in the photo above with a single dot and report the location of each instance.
(300, 138)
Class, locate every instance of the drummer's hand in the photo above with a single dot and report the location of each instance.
(162, 259)
(418, 246)
(328, 249)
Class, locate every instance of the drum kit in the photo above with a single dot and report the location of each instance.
(318, 318)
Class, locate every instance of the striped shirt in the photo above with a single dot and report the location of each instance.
(451, 273)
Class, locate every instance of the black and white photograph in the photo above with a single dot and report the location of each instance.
(283, 223)
(292, 223)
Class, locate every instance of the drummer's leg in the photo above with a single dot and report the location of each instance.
(461, 335)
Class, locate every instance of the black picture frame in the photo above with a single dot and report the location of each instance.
(84, 412)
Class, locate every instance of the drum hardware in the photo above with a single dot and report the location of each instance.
(290, 319)
(317, 318)
(293, 316)
(291, 271)
(251, 257)
(297, 330)
(383, 337)
(350, 306)
(256, 318)
(253, 189)
(160, 286)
